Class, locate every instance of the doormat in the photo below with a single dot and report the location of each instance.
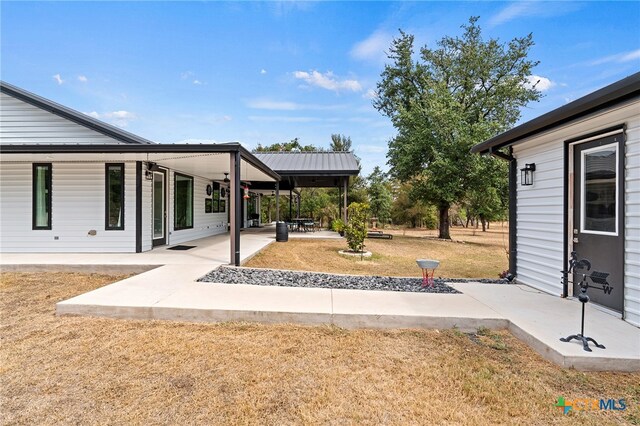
(181, 247)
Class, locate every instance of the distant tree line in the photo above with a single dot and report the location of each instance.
(390, 201)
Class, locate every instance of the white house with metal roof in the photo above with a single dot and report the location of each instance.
(575, 187)
(70, 183)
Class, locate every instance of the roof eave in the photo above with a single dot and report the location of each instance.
(332, 173)
(140, 148)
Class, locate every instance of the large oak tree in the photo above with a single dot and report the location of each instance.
(445, 100)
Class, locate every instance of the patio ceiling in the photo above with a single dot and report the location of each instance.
(203, 162)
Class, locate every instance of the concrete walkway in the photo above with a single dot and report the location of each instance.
(171, 293)
(212, 251)
(168, 291)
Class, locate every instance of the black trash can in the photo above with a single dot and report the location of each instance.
(282, 232)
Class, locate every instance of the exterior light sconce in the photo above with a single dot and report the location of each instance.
(226, 178)
(246, 193)
(526, 174)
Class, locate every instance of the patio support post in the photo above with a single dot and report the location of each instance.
(339, 200)
(259, 208)
(235, 199)
(290, 203)
(298, 198)
(513, 214)
(345, 183)
(277, 201)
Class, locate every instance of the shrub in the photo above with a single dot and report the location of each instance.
(337, 225)
(356, 229)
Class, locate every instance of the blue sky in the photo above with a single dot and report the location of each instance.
(268, 72)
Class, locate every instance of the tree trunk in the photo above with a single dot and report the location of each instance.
(484, 223)
(443, 230)
(468, 219)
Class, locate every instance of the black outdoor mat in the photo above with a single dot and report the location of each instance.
(181, 247)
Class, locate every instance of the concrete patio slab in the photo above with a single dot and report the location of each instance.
(210, 250)
(205, 302)
(540, 320)
(388, 309)
(169, 291)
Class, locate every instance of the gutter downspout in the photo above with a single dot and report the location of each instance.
(513, 208)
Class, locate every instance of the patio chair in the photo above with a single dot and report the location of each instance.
(254, 220)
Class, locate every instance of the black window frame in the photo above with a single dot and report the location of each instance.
(175, 204)
(106, 196)
(48, 183)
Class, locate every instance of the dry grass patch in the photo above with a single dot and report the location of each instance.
(60, 370)
(471, 254)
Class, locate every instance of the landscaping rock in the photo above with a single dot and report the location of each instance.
(231, 275)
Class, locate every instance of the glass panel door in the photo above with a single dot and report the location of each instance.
(599, 190)
(159, 208)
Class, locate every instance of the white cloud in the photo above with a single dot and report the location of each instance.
(630, 56)
(327, 81)
(120, 115)
(373, 47)
(370, 94)
(511, 12)
(528, 9)
(186, 75)
(119, 118)
(282, 119)
(541, 83)
(82, 78)
(217, 119)
(58, 79)
(197, 82)
(618, 58)
(263, 71)
(269, 104)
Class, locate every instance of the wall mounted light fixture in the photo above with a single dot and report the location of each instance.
(526, 174)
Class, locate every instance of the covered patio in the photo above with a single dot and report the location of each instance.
(322, 169)
(225, 165)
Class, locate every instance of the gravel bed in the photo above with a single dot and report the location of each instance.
(231, 275)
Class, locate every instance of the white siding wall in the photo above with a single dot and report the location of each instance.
(632, 221)
(540, 207)
(540, 211)
(78, 206)
(204, 224)
(23, 123)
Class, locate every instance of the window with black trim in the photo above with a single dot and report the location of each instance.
(114, 197)
(41, 204)
(183, 202)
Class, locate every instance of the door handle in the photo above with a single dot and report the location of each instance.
(575, 240)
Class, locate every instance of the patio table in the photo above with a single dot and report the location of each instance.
(299, 223)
